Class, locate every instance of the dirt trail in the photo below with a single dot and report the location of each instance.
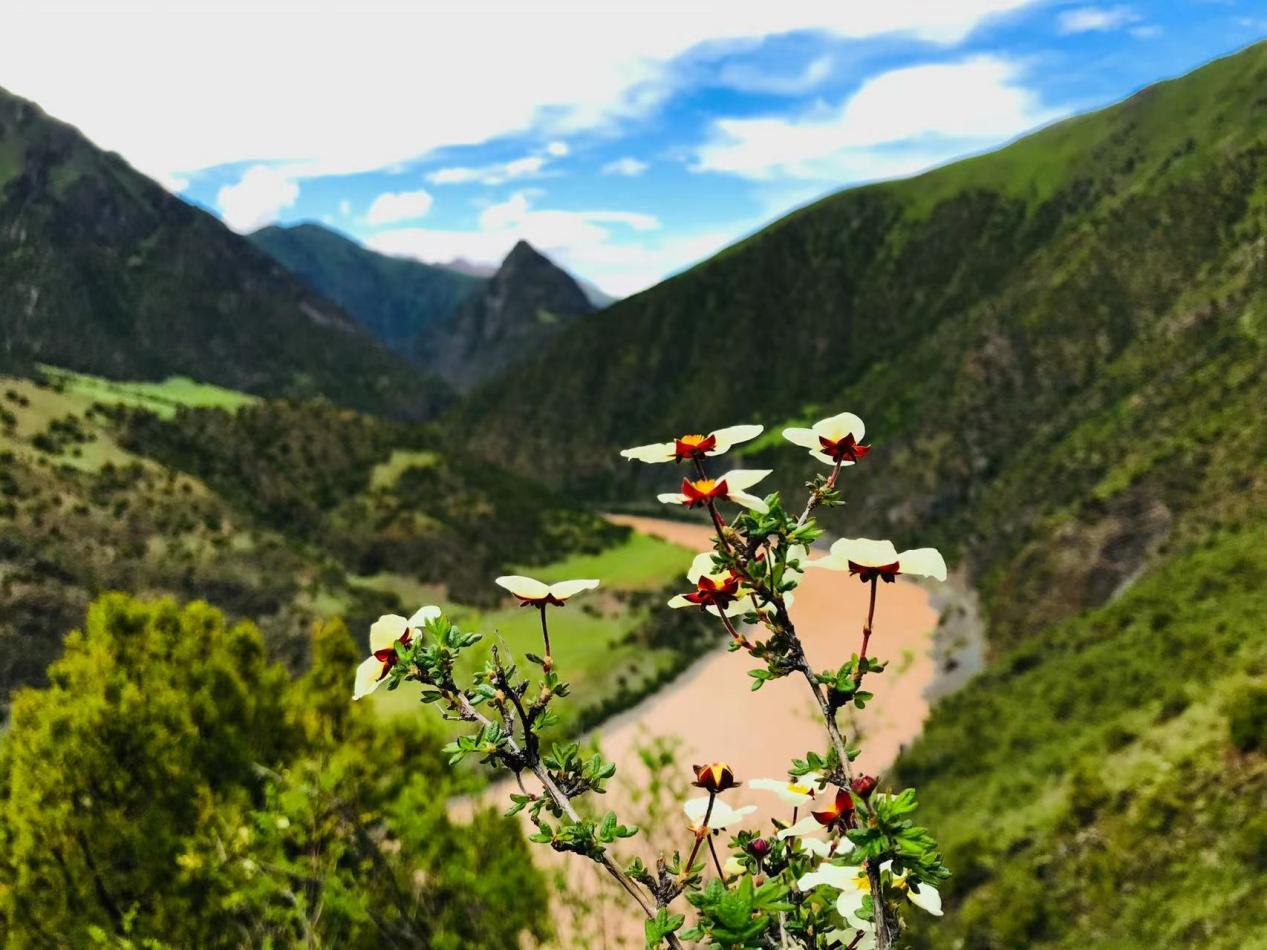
(712, 709)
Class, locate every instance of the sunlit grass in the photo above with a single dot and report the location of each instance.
(160, 398)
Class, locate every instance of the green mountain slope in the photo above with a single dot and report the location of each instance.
(103, 271)
(288, 512)
(392, 297)
(1059, 350)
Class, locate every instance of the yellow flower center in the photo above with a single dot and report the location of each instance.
(691, 439)
(704, 485)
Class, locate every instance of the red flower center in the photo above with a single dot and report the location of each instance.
(388, 656)
(548, 599)
(839, 810)
(690, 447)
(719, 593)
(886, 572)
(702, 490)
(843, 450)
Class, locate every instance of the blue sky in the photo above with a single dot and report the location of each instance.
(627, 140)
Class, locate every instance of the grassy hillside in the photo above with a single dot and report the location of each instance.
(102, 271)
(285, 512)
(1058, 349)
(393, 297)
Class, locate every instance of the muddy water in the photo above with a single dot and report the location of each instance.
(712, 709)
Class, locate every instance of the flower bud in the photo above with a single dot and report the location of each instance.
(715, 777)
(758, 847)
(864, 785)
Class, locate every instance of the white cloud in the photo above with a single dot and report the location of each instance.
(896, 123)
(345, 208)
(748, 78)
(257, 199)
(1147, 32)
(628, 166)
(1096, 19)
(623, 251)
(384, 104)
(399, 206)
(558, 149)
(499, 173)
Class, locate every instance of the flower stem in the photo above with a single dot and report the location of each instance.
(701, 834)
(548, 665)
(866, 634)
(716, 861)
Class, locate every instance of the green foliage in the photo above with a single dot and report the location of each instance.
(1035, 743)
(1246, 711)
(739, 916)
(172, 785)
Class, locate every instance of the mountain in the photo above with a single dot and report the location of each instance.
(395, 298)
(459, 321)
(1058, 349)
(528, 301)
(101, 270)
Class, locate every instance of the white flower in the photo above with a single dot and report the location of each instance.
(836, 440)
(533, 593)
(385, 633)
(730, 487)
(722, 815)
(806, 826)
(870, 559)
(795, 793)
(715, 590)
(826, 849)
(928, 898)
(693, 447)
(734, 867)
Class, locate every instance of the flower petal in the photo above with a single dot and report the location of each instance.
(656, 452)
(807, 825)
(865, 551)
(741, 479)
(701, 565)
(525, 587)
(831, 875)
(849, 903)
(827, 459)
(925, 562)
(565, 589)
(733, 435)
(834, 428)
(673, 498)
(681, 601)
(791, 792)
(386, 630)
(928, 898)
(749, 501)
(424, 615)
(805, 438)
(722, 815)
(367, 677)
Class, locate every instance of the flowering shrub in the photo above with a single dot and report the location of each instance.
(841, 875)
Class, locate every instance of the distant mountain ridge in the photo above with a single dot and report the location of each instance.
(394, 298)
(527, 302)
(102, 270)
(461, 327)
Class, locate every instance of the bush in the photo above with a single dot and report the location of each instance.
(1246, 712)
